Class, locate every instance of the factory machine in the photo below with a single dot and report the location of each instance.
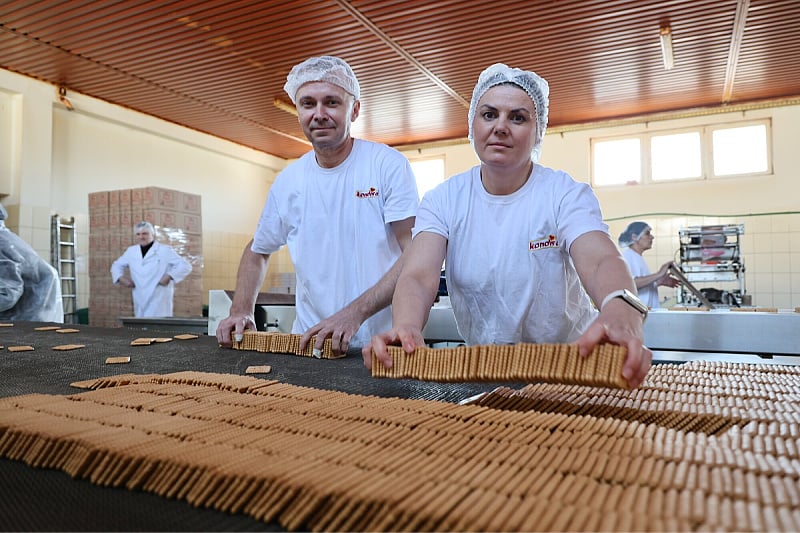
(719, 333)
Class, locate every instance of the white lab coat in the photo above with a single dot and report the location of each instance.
(149, 298)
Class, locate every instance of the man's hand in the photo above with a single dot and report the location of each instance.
(339, 327)
(165, 279)
(125, 281)
(237, 324)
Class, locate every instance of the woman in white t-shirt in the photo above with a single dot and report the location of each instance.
(634, 241)
(526, 247)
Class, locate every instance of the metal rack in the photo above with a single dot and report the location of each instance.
(711, 256)
(62, 257)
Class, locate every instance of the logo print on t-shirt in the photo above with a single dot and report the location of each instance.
(541, 244)
(371, 193)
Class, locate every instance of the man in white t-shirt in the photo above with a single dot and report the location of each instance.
(345, 210)
(635, 240)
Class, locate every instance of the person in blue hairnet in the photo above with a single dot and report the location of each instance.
(526, 247)
(634, 241)
(29, 287)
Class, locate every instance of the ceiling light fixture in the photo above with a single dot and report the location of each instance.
(665, 36)
(62, 97)
(284, 106)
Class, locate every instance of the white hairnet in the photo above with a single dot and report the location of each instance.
(633, 233)
(536, 87)
(3, 212)
(324, 68)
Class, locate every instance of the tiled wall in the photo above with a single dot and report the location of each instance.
(221, 254)
(770, 248)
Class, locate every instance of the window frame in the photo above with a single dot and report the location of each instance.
(706, 152)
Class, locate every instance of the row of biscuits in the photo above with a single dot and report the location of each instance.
(322, 460)
(559, 363)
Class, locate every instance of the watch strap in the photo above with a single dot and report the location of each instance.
(629, 298)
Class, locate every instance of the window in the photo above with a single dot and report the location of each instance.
(617, 162)
(675, 157)
(741, 150)
(691, 154)
(429, 174)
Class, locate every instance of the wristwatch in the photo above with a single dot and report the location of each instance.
(630, 298)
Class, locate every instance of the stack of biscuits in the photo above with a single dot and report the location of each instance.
(560, 363)
(287, 343)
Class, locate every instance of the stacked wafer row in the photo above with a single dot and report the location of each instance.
(325, 460)
(560, 363)
(697, 396)
(289, 343)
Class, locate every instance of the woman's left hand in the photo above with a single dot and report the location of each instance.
(620, 324)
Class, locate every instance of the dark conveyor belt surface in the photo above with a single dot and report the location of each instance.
(45, 500)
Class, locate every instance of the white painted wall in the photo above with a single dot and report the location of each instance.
(50, 159)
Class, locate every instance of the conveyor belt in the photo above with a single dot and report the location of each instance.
(51, 372)
(43, 500)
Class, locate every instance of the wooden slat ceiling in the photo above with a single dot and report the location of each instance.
(218, 66)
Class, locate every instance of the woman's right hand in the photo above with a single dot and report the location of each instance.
(407, 337)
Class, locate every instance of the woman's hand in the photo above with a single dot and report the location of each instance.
(620, 324)
(407, 337)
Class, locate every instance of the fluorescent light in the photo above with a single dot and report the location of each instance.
(665, 36)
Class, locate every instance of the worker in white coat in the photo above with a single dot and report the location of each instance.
(154, 269)
(30, 288)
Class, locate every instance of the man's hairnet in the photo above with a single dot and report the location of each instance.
(537, 88)
(324, 68)
(632, 233)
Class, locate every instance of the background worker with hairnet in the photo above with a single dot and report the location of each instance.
(345, 210)
(29, 286)
(526, 247)
(634, 241)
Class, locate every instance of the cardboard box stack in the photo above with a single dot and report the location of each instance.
(177, 219)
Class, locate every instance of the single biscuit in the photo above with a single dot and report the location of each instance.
(69, 346)
(185, 336)
(20, 348)
(117, 360)
(47, 328)
(67, 330)
(6, 325)
(258, 369)
(142, 341)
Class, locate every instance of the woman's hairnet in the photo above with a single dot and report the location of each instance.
(536, 87)
(3, 212)
(632, 233)
(324, 68)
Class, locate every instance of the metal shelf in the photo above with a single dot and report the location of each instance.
(712, 254)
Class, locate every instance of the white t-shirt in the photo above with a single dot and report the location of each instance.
(336, 224)
(509, 273)
(638, 267)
